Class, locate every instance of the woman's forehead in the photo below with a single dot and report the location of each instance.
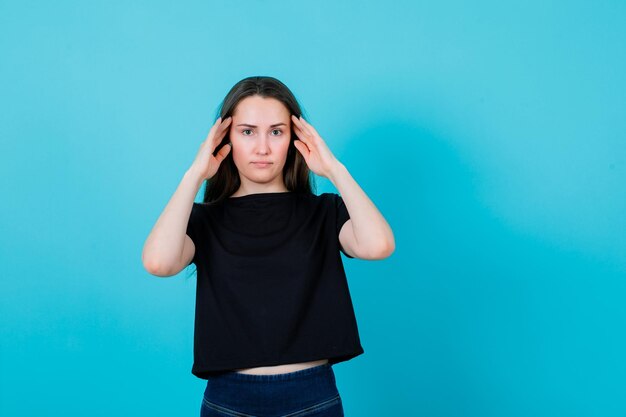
(257, 110)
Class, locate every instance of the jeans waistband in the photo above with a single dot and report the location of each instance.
(273, 395)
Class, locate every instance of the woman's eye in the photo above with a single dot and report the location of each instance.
(250, 130)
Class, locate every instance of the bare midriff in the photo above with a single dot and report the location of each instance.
(281, 369)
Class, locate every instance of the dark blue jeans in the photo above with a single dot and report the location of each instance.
(308, 392)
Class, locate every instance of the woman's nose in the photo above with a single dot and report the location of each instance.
(263, 145)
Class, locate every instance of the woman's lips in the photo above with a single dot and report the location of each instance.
(260, 164)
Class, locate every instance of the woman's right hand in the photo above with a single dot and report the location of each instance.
(205, 163)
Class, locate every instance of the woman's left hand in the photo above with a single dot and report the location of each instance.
(310, 144)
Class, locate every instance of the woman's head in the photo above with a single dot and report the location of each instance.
(261, 130)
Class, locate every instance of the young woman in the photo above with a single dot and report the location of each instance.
(273, 308)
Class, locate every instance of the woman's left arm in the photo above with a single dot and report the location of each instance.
(366, 235)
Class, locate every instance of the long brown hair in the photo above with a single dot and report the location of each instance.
(296, 174)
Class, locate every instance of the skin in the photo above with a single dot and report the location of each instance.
(260, 131)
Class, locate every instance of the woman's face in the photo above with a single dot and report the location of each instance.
(260, 134)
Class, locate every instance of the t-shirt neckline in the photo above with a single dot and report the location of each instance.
(259, 195)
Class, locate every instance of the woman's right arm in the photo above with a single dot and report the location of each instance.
(168, 249)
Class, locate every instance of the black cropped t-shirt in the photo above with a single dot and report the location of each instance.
(271, 288)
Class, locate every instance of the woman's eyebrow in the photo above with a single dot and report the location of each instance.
(249, 125)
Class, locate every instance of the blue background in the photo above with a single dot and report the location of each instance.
(490, 134)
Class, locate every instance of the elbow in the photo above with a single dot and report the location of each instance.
(387, 249)
(381, 251)
(155, 263)
(154, 268)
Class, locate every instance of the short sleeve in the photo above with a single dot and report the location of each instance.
(193, 226)
(342, 216)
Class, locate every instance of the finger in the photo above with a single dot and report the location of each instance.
(225, 125)
(303, 122)
(223, 153)
(308, 130)
(302, 148)
(220, 133)
(216, 142)
(302, 138)
(216, 124)
(220, 124)
(302, 135)
(213, 128)
(298, 122)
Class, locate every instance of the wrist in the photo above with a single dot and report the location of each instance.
(336, 170)
(194, 176)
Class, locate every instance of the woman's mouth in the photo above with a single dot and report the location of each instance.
(261, 164)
